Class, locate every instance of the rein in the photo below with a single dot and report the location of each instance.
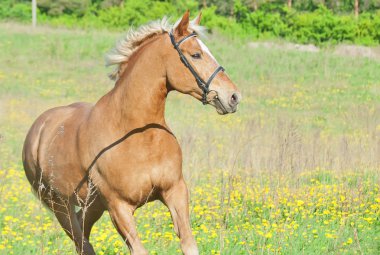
(203, 85)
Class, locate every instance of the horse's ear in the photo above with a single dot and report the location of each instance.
(183, 25)
(197, 19)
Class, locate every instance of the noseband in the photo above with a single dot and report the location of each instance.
(204, 86)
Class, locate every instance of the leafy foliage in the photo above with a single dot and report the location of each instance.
(318, 27)
(15, 10)
(59, 7)
(252, 19)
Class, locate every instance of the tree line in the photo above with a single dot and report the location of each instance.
(223, 7)
(302, 21)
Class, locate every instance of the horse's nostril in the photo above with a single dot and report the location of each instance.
(234, 99)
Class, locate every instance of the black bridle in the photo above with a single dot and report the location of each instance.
(204, 86)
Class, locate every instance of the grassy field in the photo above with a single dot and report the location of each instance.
(295, 171)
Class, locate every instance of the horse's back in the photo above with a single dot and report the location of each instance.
(50, 147)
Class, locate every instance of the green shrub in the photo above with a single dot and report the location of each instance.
(133, 13)
(16, 11)
(272, 20)
(59, 7)
(223, 24)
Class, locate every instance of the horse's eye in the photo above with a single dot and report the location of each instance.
(196, 56)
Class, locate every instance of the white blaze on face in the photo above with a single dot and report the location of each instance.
(206, 50)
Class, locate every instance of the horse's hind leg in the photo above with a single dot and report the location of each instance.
(64, 211)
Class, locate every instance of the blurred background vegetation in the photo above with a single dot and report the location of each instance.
(302, 21)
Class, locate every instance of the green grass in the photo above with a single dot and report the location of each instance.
(294, 171)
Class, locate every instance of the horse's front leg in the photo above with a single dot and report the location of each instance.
(122, 217)
(177, 200)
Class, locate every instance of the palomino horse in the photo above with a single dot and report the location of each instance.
(70, 155)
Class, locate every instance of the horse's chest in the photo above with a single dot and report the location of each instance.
(139, 171)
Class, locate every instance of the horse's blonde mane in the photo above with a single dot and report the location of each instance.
(135, 37)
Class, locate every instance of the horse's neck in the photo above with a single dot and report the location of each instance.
(140, 94)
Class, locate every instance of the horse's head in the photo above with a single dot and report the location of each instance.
(192, 69)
